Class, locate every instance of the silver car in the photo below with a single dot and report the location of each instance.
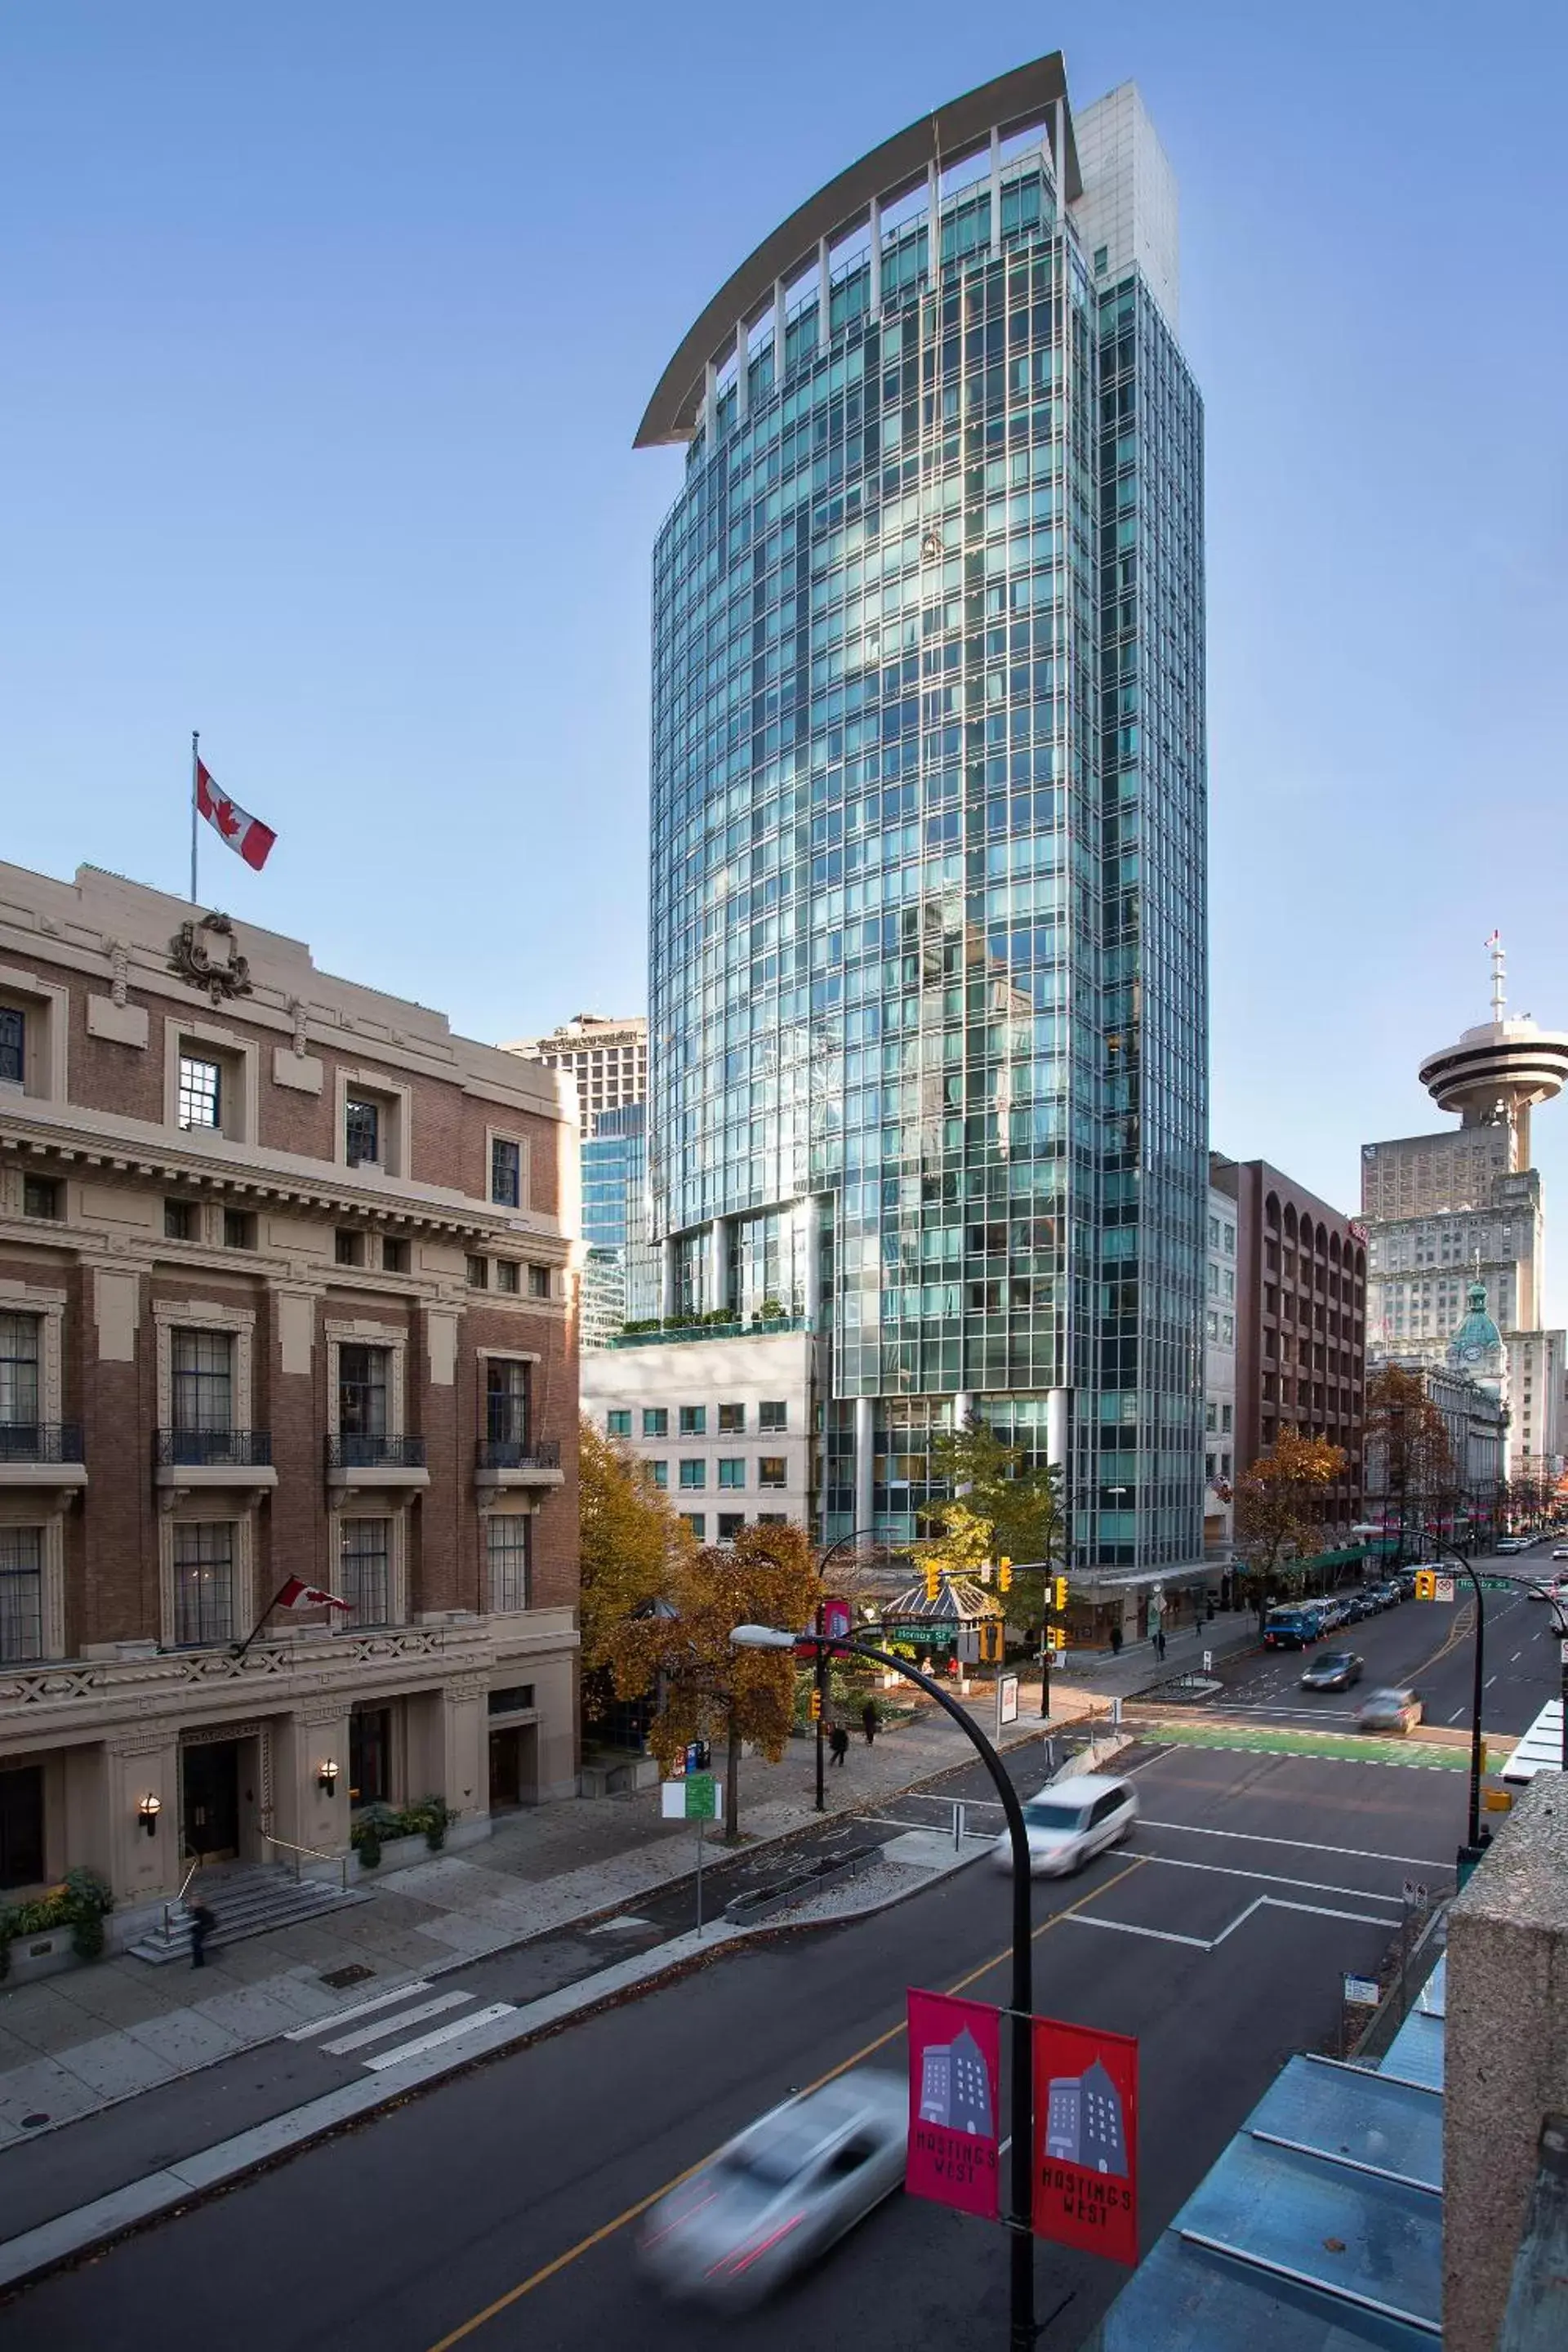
(1389, 1710)
(1070, 1821)
(773, 2200)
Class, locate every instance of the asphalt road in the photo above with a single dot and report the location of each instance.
(1217, 1936)
(1427, 1644)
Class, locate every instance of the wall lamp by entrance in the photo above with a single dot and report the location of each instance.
(147, 1812)
(327, 1778)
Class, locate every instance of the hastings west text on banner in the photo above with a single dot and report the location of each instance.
(956, 2066)
(1086, 2139)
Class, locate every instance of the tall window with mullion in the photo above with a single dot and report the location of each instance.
(21, 1594)
(201, 1365)
(18, 1386)
(506, 1412)
(204, 1582)
(509, 1554)
(506, 1172)
(201, 1092)
(364, 1571)
(362, 1373)
(13, 1045)
(362, 1131)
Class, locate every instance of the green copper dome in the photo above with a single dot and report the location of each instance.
(1477, 1345)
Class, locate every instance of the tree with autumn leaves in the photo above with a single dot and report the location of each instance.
(707, 1689)
(1279, 1512)
(1411, 1471)
(657, 1612)
(998, 1506)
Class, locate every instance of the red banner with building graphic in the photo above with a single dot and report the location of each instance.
(956, 2071)
(1086, 2139)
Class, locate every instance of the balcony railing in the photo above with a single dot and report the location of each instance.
(40, 1440)
(347, 1452)
(235, 1449)
(519, 1454)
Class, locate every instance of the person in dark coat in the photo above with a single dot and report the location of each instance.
(838, 1740)
(1159, 1642)
(1116, 1641)
(201, 1925)
(869, 1720)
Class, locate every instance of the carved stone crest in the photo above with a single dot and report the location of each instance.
(204, 954)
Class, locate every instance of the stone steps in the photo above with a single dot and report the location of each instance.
(245, 1902)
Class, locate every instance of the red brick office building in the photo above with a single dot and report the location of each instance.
(1301, 1324)
(285, 1292)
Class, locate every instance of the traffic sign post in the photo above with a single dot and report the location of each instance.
(696, 1797)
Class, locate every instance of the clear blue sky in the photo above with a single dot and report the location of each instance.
(326, 331)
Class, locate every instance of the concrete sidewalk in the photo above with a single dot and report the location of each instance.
(85, 2040)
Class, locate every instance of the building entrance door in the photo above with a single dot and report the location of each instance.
(512, 1753)
(21, 1826)
(210, 1791)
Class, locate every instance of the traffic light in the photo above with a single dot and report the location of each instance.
(1426, 1584)
(1005, 1575)
(815, 1706)
(934, 1581)
(991, 1640)
(1059, 1595)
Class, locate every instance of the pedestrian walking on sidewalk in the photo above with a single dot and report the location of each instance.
(201, 1925)
(868, 1721)
(1159, 1642)
(838, 1740)
(1116, 1641)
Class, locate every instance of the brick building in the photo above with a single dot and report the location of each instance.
(1301, 1323)
(286, 1290)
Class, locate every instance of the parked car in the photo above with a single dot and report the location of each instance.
(1389, 1710)
(778, 2196)
(1510, 1544)
(1290, 1628)
(1559, 1551)
(1335, 1670)
(1070, 1821)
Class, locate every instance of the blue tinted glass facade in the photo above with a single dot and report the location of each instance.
(927, 991)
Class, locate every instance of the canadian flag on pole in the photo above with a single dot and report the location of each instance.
(298, 1595)
(243, 833)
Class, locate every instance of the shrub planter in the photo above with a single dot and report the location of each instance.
(396, 1853)
(43, 1956)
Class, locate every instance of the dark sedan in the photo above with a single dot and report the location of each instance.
(1335, 1670)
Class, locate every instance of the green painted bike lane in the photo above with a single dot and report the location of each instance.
(1340, 1747)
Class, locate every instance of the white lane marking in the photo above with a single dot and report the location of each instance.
(360, 2008)
(1490, 1680)
(398, 2024)
(1274, 1878)
(1516, 1657)
(442, 2034)
(1256, 1837)
(1457, 1715)
(1126, 1927)
(1211, 1944)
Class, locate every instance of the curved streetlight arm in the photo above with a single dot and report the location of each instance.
(1022, 2250)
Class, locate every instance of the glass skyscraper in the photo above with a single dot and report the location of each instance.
(928, 1018)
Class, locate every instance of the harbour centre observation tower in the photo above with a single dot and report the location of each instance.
(928, 1034)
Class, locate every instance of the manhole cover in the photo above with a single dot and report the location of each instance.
(355, 1973)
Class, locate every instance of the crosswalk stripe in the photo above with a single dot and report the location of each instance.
(385, 2025)
(442, 2034)
(360, 2008)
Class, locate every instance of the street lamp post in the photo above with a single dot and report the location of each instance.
(1478, 1684)
(1021, 2258)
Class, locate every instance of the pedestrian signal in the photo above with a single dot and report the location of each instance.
(933, 1583)
(1426, 1584)
(1059, 1594)
(1005, 1575)
(991, 1642)
(815, 1704)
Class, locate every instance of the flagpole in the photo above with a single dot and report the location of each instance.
(195, 738)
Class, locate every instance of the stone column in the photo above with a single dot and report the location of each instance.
(141, 1868)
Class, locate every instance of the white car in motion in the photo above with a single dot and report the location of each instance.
(1070, 1821)
(778, 2196)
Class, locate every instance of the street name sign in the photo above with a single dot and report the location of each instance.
(955, 2075)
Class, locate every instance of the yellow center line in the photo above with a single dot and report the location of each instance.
(634, 2212)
